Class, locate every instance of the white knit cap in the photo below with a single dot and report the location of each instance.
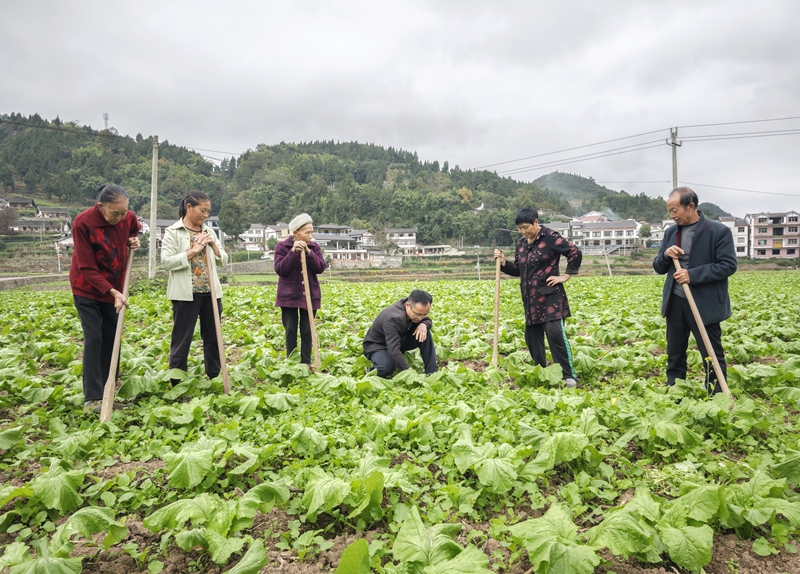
(299, 221)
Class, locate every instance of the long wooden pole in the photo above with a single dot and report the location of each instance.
(704, 334)
(496, 311)
(151, 259)
(110, 389)
(314, 341)
(212, 273)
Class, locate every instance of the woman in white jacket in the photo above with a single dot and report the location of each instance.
(183, 254)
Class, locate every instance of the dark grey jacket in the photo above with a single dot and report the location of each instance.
(390, 330)
(711, 261)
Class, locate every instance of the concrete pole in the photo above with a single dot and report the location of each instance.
(151, 272)
(674, 143)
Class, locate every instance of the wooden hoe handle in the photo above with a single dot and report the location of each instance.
(307, 288)
(111, 383)
(704, 334)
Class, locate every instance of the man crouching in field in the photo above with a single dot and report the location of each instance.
(401, 327)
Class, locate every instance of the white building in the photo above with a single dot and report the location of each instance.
(741, 234)
(610, 236)
(255, 235)
(405, 238)
(363, 237)
(332, 228)
(279, 231)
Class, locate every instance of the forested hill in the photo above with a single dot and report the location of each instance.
(361, 185)
(575, 188)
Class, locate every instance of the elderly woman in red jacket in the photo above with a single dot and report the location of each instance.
(102, 236)
(291, 290)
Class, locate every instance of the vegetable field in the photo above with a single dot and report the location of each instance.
(469, 471)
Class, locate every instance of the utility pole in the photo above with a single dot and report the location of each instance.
(153, 211)
(673, 141)
(58, 257)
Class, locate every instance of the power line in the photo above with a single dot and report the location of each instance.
(211, 157)
(738, 189)
(648, 133)
(632, 182)
(722, 137)
(741, 122)
(211, 150)
(644, 145)
(586, 157)
(569, 149)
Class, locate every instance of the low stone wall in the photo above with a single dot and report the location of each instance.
(14, 282)
(244, 267)
(383, 262)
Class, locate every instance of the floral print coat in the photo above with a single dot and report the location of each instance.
(536, 261)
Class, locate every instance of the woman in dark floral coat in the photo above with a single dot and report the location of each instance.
(537, 255)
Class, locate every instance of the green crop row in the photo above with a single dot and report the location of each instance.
(431, 468)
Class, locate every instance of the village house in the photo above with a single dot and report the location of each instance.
(52, 212)
(405, 238)
(255, 235)
(773, 234)
(741, 234)
(21, 203)
(39, 226)
(611, 236)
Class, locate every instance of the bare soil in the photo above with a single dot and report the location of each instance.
(731, 555)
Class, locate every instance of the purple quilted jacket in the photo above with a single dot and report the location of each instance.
(291, 291)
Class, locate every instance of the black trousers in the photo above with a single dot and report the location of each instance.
(680, 324)
(386, 366)
(99, 323)
(559, 346)
(184, 317)
(289, 318)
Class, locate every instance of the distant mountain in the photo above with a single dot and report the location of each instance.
(575, 188)
(585, 195)
(712, 211)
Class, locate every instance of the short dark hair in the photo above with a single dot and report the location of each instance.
(420, 296)
(687, 196)
(193, 198)
(110, 193)
(526, 215)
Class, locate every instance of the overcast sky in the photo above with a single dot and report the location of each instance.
(472, 83)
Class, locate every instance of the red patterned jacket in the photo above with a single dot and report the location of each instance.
(533, 264)
(101, 250)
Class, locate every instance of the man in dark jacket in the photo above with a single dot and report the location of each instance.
(401, 327)
(707, 257)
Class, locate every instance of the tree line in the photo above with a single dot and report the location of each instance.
(365, 186)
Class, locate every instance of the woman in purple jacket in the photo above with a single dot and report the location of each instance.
(291, 291)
